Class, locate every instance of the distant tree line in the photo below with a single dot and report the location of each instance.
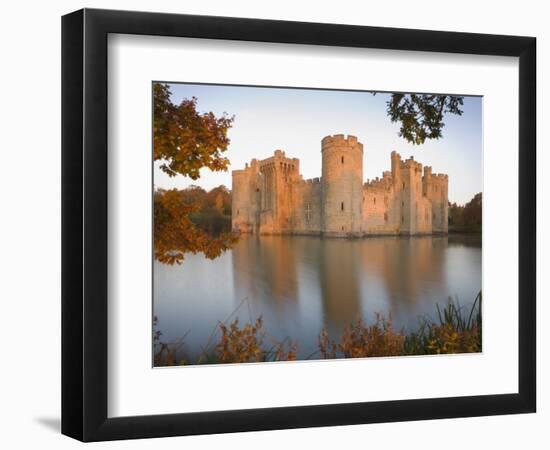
(213, 214)
(192, 220)
(466, 218)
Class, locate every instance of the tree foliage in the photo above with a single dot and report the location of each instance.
(175, 233)
(421, 115)
(213, 213)
(186, 140)
(467, 218)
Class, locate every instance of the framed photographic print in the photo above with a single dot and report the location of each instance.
(273, 224)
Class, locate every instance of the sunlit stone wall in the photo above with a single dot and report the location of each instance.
(271, 197)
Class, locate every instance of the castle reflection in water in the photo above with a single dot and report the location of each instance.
(301, 284)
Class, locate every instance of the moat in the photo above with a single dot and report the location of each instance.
(301, 284)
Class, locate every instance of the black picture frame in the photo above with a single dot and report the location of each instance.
(84, 224)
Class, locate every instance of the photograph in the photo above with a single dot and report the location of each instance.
(294, 224)
(272, 225)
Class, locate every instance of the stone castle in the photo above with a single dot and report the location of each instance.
(271, 197)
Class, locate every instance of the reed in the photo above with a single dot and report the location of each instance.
(455, 330)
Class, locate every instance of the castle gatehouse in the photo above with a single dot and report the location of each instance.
(271, 197)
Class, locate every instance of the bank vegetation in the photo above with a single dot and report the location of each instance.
(454, 329)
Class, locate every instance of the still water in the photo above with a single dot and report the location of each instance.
(301, 284)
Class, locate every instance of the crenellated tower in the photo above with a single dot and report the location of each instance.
(342, 181)
(246, 199)
(411, 194)
(278, 175)
(435, 188)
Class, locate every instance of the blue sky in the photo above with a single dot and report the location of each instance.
(295, 120)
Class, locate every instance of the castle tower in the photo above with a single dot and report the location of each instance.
(245, 198)
(435, 188)
(342, 184)
(411, 195)
(277, 176)
(396, 169)
(409, 206)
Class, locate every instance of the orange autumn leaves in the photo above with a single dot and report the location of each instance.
(175, 234)
(185, 141)
(246, 344)
(360, 340)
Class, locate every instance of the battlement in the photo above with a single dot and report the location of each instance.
(411, 164)
(382, 184)
(435, 177)
(316, 180)
(279, 159)
(340, 140)
(371, 185)
(251, 168)
(398, 164)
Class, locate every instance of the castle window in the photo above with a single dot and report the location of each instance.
(342, 228)
(402, 219)
(342, 206)
(403, 185)
(386, 217)
(342, 160)
(374, 200)
(308, 212)
(237, 212)
(403, 204)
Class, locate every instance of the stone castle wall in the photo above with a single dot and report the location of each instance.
(271, 197)
(307, 207)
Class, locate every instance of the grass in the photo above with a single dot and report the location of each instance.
(454, 330)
